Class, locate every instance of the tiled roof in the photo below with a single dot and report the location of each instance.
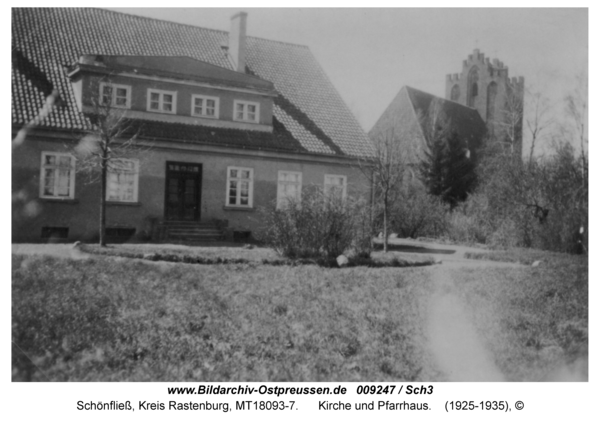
(183, 68)
(280, 140)
(310, 114)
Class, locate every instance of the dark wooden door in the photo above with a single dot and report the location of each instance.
(182, 196)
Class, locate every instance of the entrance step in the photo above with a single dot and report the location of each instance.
(191, 232)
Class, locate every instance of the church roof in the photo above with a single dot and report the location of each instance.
(309, 114)
(463, 120)
(408, 113)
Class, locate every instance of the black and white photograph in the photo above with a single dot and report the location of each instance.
(217, 195)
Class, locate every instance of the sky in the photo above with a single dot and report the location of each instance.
(369, 54)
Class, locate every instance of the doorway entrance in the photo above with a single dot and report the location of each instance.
(183, 187)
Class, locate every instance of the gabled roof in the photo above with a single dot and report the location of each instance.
(410, 111)
(463, 120)
(46, 41)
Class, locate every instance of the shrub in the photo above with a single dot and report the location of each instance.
(541, 204)
(419, 214)
(318, 226)
(469, 222)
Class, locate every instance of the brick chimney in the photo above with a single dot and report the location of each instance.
(237, 41)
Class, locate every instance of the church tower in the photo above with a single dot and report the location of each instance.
(485, 86)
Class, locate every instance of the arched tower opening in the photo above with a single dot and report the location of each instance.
(455, 93)
(472, 86)
(492, 91)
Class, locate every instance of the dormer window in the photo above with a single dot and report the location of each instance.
(246, 111)
(205, 106)
(118, 96)
(162, 101)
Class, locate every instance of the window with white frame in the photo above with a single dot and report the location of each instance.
(239, 186)
(57, 176)
(122, 180)
(335, 186)
(205, 106)
(246, 111)
(162, 101)
(118, 96)
(289, 188)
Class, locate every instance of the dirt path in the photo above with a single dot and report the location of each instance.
(454, 342)
(457, 347)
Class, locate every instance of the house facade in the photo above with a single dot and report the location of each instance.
(224, 125)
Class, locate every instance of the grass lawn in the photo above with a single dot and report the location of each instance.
(527, 256)
(118, 319)
(533, 319)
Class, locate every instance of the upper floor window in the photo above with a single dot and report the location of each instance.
(289, 187)
(240, 186)
(162, 101)
(335, 186)
(246, 111)
(57, 176)
(118, 96)
(122, 182)
(205, 106)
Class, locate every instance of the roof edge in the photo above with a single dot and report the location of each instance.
(222, 31)
(437, 97)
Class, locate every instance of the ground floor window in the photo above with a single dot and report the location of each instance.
(335, 186)
(289, 187)
(239, 186)
(122, 181)
(57, 176)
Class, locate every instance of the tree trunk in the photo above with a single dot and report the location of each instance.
(372, 217)
(385, 234)
(103, 200)
(532, 150)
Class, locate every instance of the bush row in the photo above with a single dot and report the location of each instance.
(323, 261)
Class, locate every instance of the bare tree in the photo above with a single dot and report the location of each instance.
(509, 130)
(385, 170)
(538, 120)
(110, 140)
(577, 110)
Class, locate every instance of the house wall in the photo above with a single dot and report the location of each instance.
(81, 215)
(139, 97)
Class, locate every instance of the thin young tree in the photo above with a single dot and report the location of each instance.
(385, 170)
(110, 139)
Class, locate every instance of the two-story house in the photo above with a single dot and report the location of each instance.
(229, 124)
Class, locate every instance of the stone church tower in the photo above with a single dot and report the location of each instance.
(485, 86)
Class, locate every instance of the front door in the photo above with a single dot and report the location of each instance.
(182, 196)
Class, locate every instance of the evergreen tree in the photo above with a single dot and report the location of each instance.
(448, 170)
